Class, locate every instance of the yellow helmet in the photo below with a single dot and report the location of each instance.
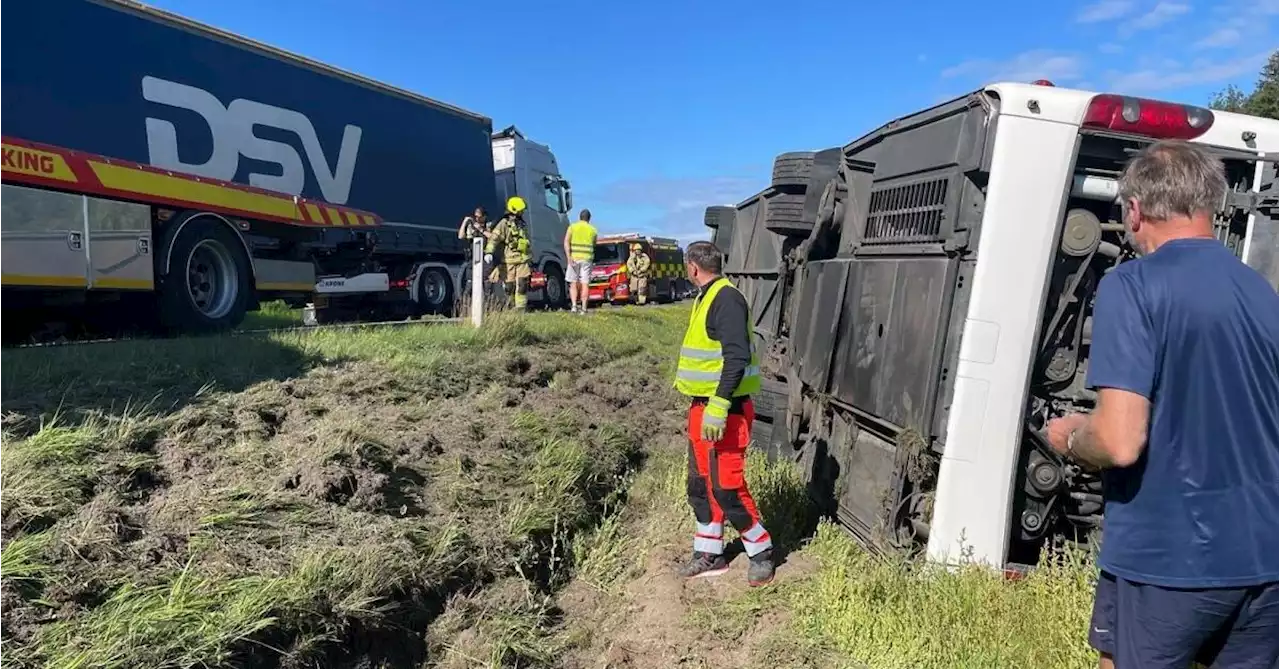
(515, 205)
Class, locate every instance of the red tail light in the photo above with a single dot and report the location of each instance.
(1149, 118)
(400, 284)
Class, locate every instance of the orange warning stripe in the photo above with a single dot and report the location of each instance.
(33, 164)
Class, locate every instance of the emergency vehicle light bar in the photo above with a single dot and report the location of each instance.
(1149, 118)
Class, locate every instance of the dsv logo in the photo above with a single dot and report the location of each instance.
(232, 130)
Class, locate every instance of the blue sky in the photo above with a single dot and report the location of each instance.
(656, 109)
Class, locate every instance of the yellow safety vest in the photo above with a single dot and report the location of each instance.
(582, 241)
(701, 360)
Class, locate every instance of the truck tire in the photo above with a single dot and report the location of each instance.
(435, 291)
(784, 214)
(791, 170)
(718, 216)
(209, 285)
(553, 294)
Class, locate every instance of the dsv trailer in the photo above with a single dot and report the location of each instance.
(185, 173)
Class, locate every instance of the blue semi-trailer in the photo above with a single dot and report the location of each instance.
(188, 172)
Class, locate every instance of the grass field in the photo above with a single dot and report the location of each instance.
(435, 496)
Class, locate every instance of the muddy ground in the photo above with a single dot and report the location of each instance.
(358, 514)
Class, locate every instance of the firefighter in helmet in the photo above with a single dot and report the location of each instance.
(638, 267)
(511, 238)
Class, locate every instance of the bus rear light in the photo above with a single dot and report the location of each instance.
(1149, 118)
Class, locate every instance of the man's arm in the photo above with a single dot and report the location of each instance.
(496, 238)
(727, 323)
(1115, 433)
(1122, 366)
(568, 255)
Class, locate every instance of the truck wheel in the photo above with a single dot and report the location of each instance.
(209, 283)
(554, 292)
(791, 170)
(435, 291)
(784, 214)
(718, 216)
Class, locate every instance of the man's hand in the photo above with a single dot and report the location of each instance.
(714, 416)
(1059, 430)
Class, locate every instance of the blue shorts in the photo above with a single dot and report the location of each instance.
(1153, 627)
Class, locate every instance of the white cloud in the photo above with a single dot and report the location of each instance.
(1110, 48)
(1222, 37)
(1162, 13)
(1104, 10)
(1169, 76)
(1025, 67)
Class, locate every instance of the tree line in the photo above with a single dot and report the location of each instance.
(1263, 101)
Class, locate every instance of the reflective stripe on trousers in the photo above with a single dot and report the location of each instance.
(716, 485)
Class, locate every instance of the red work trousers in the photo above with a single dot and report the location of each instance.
(717, 487)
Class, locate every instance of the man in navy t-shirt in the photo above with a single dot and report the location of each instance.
(1184, 358)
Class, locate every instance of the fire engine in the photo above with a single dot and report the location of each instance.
(609, 281)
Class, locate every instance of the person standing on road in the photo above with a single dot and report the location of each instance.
(1184, 358)
(580, 249)
(638, 266)
(719, 372)
(512, 239)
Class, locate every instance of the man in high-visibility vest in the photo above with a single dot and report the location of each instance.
(580, 249)
(512, 238)
(719, 371)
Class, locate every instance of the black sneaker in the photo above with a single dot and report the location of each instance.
(760, 570)
(703, 565)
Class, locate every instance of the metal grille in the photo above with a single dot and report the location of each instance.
(909, 211)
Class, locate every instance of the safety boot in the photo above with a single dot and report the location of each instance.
(703, 565)
(760, 570)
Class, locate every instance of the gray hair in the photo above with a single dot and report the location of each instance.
(1172, 178)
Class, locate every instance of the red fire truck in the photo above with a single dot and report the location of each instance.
(609, 280)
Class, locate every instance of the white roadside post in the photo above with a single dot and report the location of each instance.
(477, 281)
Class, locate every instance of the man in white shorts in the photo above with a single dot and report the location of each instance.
(580, 249)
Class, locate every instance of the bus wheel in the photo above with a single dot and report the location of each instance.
(209, 283)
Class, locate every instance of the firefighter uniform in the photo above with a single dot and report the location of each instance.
(719, 424)
(511, 238)
(638, 267)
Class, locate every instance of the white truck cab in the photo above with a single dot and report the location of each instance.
(529, 169)
(922, 299)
